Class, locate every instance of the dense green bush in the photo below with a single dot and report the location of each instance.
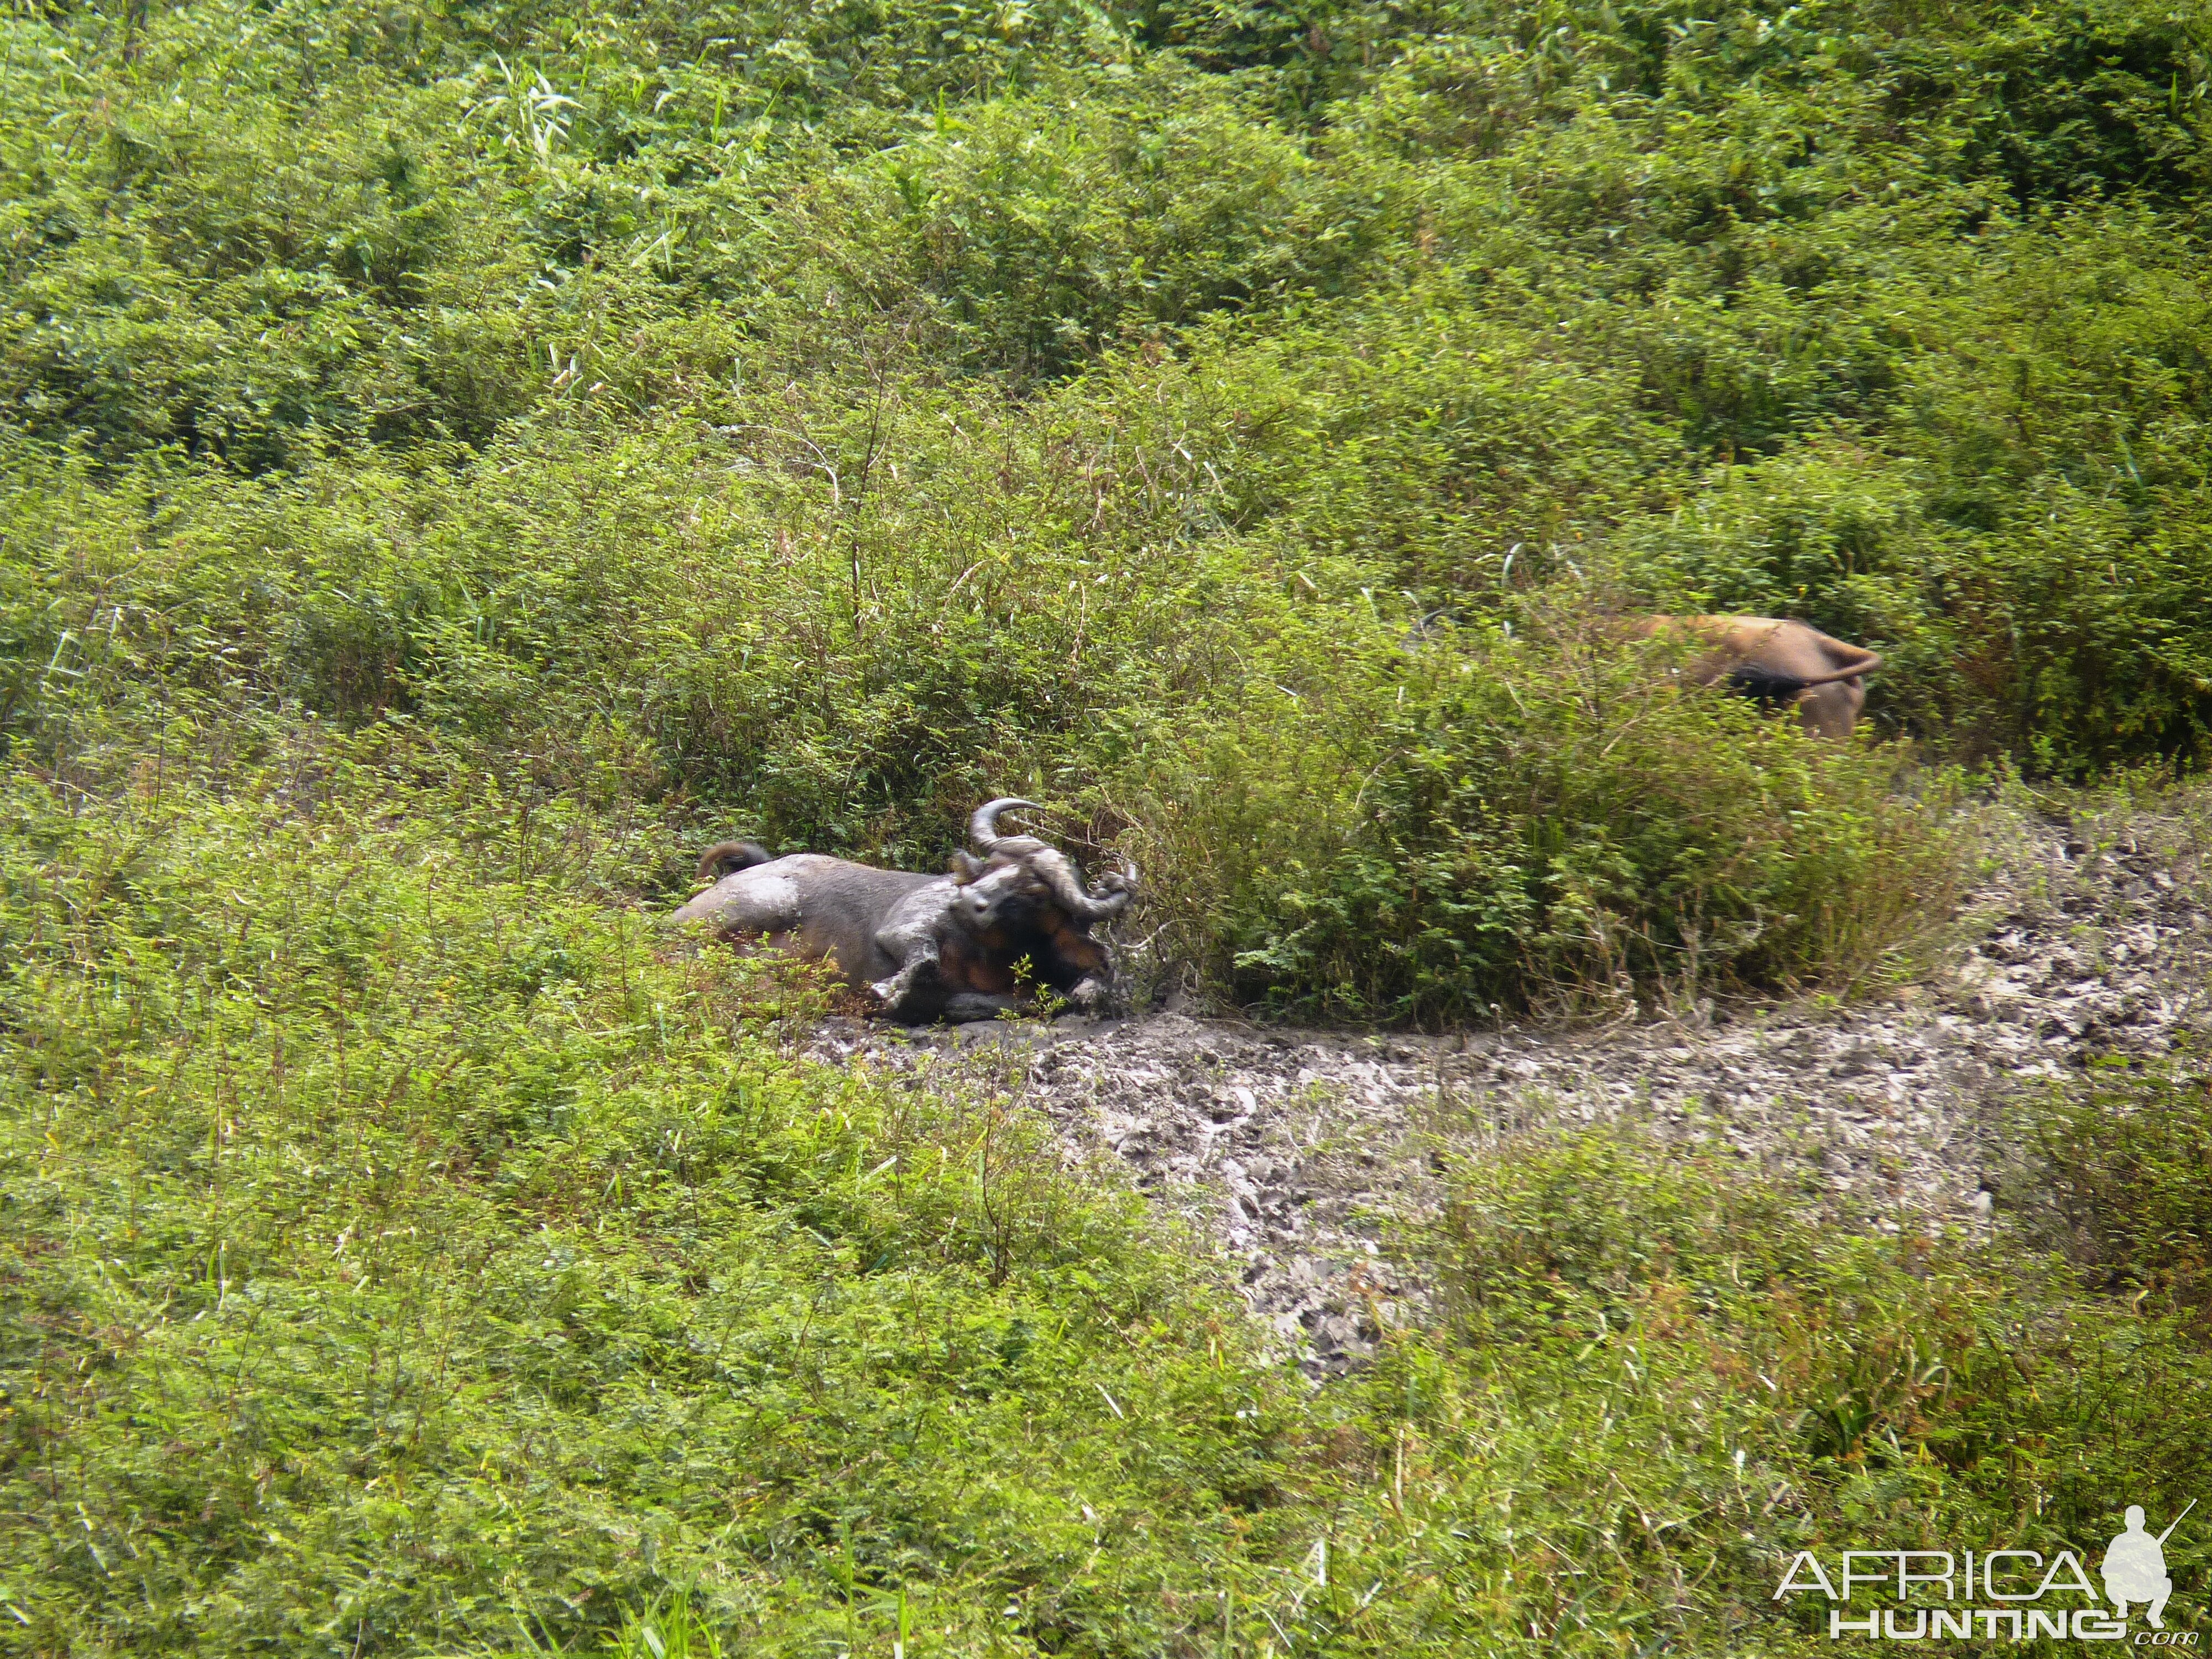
(1665, 1376)
(2113, 1175)
(1045, 229)
(458, 1268)
(453, 460)
(1543, 814)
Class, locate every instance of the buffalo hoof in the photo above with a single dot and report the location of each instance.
(1090, 995)
(893, 1002)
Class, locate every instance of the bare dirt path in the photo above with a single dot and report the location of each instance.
(1294, 1149)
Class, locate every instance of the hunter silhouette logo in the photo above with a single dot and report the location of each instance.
(2135, 1567)
(2021, 1596)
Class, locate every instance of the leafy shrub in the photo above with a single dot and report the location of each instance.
(1547, 814)
(2091, 100)
(2115, 1177)
(1662, 1371)
(1452, 452)
(464, 1266)
(1045, 226)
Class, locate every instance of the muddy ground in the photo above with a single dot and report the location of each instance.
(1295, 1149)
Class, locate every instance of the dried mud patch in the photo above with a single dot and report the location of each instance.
(1296, 1149)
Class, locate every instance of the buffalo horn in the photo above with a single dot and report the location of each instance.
(983, 828)
(1053, 870)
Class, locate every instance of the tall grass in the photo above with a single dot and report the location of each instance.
(455, 461)
(1539, 816)
(404, 1253)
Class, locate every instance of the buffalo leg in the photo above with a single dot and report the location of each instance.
(903, 990)
(913, 937)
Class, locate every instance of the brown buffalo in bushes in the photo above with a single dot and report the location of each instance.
(1779, 663)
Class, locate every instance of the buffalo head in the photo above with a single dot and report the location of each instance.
(1022, 868)
(1021, 902)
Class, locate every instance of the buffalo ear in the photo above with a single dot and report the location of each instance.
(966, 867)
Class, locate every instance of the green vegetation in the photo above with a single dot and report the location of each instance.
(402, 1256)
(457, 459)
(803, 424)
(397, 1247)
(1640, 1402)
(2123, 1162)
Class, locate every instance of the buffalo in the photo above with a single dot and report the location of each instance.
(1780, 664)
(1011, 919)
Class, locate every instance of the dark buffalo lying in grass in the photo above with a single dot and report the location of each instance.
(1781, 664)
(1011, 920)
